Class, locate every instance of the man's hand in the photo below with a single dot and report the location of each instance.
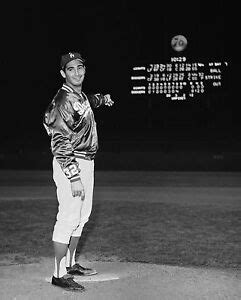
(108, 100)
(77, 189)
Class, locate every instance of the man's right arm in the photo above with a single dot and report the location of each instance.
(62, 148)
(63, 152)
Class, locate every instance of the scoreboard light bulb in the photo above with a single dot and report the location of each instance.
(138, 68)
(138, 77)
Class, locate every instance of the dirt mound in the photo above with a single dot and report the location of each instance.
(121, 280)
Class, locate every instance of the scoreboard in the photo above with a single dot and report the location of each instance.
(178, 79)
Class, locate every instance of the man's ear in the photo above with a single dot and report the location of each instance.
(62, 74)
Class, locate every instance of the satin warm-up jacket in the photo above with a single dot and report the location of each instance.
(72, 127)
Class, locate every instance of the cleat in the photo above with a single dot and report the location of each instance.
(67, 282)
(77, 269)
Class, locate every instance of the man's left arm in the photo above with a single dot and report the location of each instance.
(97, 100)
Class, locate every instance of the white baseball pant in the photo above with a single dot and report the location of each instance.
(73, 213)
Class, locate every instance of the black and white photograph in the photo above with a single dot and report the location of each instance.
(120, 157)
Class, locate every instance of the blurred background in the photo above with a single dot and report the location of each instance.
(140, 132)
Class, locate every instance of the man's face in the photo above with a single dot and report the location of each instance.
(74, 72)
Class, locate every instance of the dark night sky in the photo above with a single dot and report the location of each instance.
(112, 35)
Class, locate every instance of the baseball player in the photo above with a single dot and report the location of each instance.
(69, 120)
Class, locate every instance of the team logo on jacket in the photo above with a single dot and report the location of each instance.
(81, 108)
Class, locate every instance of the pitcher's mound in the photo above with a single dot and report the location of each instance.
(122, 280)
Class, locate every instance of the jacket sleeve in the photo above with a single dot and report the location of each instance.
(61, 147)
(63, 151)
(96, 100)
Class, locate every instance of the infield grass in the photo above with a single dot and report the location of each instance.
(157, 232)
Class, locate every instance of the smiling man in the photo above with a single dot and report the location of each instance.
(70, 122)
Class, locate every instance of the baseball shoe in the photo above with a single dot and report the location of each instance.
(77, 269)
(67, 283)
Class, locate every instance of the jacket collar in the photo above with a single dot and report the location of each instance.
(67, 88)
